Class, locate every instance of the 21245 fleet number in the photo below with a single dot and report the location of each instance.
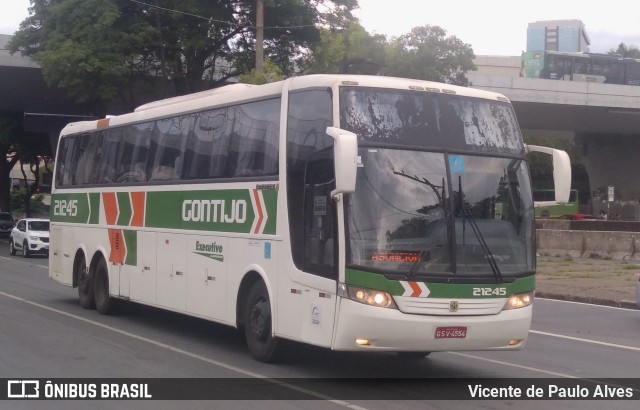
(489, 291)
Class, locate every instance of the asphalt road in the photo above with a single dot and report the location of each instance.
(44, 333)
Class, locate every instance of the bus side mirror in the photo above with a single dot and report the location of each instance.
(561, 173)
(345, 152)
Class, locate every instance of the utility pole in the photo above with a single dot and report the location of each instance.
(259, 36)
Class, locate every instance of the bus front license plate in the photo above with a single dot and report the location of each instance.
(451, 332)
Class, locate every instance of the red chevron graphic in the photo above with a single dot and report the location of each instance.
(256, 196)
(416, 289)
(110, 207)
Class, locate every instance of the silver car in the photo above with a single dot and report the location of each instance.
(31, 236)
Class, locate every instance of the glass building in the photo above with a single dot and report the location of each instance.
(558, 35)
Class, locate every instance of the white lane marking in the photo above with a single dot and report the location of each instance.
(40, 266)
(580, 339)
(519, 366)
(587, 304)
(190, 354)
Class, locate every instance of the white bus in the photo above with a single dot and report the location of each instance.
(350, 212)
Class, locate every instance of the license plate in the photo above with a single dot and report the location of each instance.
(451, 332)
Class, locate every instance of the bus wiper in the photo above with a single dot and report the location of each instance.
(438, 191)
(466, 211)
(411, 274)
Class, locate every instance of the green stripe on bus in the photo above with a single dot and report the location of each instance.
(124, 209)
(94, 206)
(441, 290)
(271, 204)
(373, 281)
(70, 208)
(131, 243)
(229, 210)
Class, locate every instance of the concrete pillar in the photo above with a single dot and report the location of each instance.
(613, 160)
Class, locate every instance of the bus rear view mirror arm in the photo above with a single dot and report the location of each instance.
(345, 152)
(561, 171)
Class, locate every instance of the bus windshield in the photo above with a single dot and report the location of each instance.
(430, 214)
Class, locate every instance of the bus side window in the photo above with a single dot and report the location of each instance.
(108, 157)
(253, 148)
(167, 147)
(89, 156)
(134, 149)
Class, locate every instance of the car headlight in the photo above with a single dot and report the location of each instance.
(34, 238)
(367, 296)
(519, 300)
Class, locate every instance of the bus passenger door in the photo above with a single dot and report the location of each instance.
(172, 271)
(320, 255)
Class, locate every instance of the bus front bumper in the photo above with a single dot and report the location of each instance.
(367, 328)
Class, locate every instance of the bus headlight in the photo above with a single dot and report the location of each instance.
(519, 300)
(371, 297)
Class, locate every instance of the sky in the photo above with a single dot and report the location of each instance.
(491, 27)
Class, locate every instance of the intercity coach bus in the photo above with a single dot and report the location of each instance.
(354, 213)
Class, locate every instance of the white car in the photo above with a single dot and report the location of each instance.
(30, 235)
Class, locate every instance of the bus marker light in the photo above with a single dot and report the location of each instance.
(363, 342)
(514, 342)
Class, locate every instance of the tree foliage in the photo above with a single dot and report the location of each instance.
(17, 146)
(425, 53)
(9, 130)
(98, 50)
(624, 50)
(351, 50)
(87, 47)
(269, 74)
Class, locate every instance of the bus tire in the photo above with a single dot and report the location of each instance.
(25, 249)
(12, 248)
(261, 343)
(105, 304)
(85, 285)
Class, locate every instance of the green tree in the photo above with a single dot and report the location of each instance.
(9, 132)
(427, 53)
(625, 51)
(36, 204)
(18, 146)
(351, 50)
(271, 73)
(100, 50)
(89, 48)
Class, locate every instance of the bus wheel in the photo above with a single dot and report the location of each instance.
(104, 302)
(85, 285)
(262, 345)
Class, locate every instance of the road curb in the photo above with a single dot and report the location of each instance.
(627, 304)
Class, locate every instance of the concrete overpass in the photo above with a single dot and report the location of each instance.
(25, 98)
(602, 119)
